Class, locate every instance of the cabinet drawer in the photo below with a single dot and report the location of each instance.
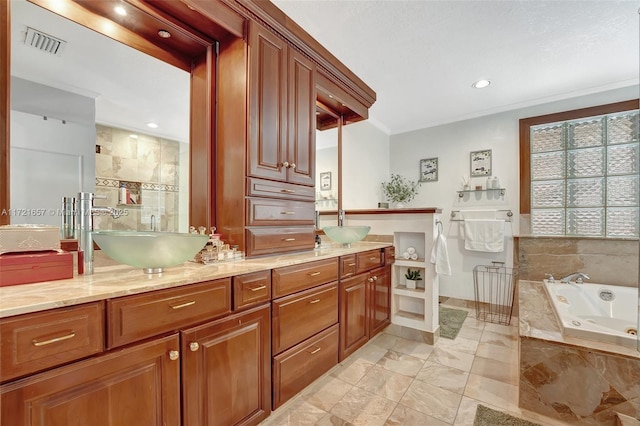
(271, 240)
(264, 211)
(347, 266)
(289, 279)
(303, 314)
(268, 188)
(296, 368)
(368, 260)
(389, 255)
(250, 289)
(134, 318)
(34, 342)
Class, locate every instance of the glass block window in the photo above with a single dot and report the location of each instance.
(585, 176)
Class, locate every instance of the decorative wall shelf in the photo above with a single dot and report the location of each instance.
(464, 191)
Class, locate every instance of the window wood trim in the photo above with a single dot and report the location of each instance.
(525, 142)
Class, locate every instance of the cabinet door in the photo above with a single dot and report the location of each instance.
(301, 121)
(379, 300)
(226, 370)
(353, 314)
(267, 104)
(139, 385)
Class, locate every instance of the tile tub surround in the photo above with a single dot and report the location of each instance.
(571, 379)
(608, 261)
(114, 280)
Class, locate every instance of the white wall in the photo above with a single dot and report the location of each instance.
(452, 144)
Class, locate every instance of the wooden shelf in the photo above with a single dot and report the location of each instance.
(402, 290)
(418, 263)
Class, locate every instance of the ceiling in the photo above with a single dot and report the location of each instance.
(421, 58)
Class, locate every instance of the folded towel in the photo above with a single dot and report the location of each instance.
(440, 256)
(406, 255)
(411, 250)
(414, 256)
(484, 235)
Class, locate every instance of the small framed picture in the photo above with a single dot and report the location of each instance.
(481, 163)
(429, 170)
(325, 181)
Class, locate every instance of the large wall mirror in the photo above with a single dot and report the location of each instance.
(80, 111)
(328, 176)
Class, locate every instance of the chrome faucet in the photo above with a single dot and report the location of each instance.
(84, 220)
(154, 227)
(340, 217)
(578, 276)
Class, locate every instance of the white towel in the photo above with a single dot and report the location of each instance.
(440, 255)
(484, 235)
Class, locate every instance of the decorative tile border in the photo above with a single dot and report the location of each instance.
(115, 183)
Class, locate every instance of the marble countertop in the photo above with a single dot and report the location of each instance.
(537, 320)
(116, 280)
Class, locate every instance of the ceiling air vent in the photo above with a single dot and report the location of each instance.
(44, 42)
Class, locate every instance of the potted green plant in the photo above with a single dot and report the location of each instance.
(412, 278)
(400, 190)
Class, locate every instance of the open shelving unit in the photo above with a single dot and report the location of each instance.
(416, 308)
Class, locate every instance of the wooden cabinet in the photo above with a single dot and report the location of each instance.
(379, 300)
(354, 324)
(282, 107)
(251, 289)
(297, 367)
(139, 385)
(37, 341)
(291, 279)
(268, 206)
(226, 370)
(133, 318)
(365, 301)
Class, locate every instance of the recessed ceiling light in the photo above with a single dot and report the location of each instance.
(481, 84)
(120, 10)
(164, 33)
(152, 125)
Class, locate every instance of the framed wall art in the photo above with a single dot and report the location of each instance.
(481, 163)
(429, 170)
(325, 181)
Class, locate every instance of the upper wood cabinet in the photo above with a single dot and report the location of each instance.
(281, 110)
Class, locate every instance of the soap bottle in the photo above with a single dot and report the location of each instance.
(496, 183)
(489, 183)
(123, 194)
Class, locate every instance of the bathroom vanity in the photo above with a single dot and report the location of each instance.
(195, 345)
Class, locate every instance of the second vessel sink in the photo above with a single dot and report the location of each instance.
(346, 235)
(151, 251)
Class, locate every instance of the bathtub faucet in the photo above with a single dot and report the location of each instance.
(578, 276)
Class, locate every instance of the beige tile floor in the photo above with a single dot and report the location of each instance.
(394, 381)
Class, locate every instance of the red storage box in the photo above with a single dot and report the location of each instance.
(33, 267)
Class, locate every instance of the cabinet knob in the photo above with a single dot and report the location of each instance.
(174, 355)
(293, 166)
(370, 280)
(375, 278)
(194, 346)
(285, 164)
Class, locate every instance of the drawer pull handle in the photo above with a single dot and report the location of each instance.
(288, 239)
(184, 305)
(315, 351)
(352, 264)
(258, 288)
(289, 213)
(374, 259)
(314, 274)
(174, 355)
(314, 301)
(54, 340)
(288, 191)
(348, 274)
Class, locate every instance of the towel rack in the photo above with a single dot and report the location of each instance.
(454, 213)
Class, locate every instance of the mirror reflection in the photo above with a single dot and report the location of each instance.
(81, 117)
(327, 171)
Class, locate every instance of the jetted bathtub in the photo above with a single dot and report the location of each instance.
(596, 311)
